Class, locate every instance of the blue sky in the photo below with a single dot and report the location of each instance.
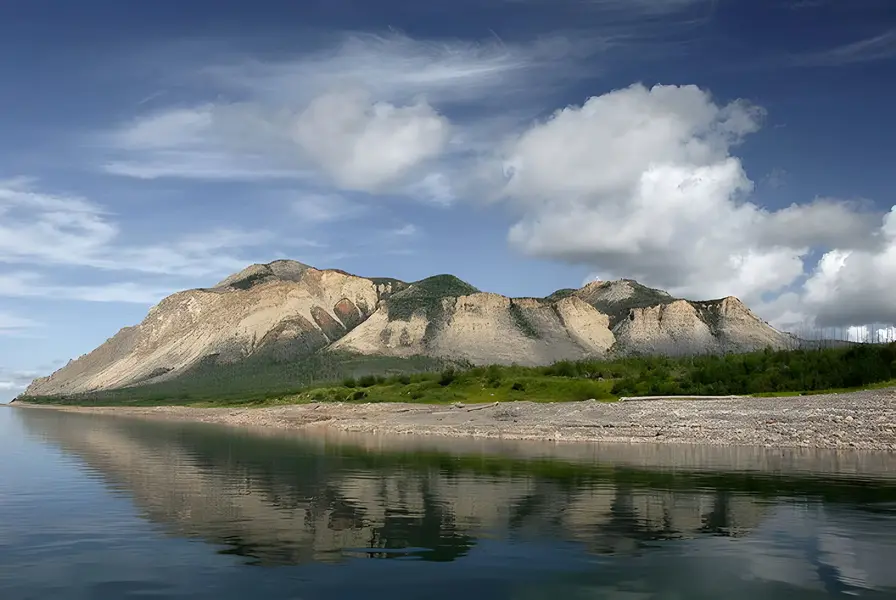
(708, 147)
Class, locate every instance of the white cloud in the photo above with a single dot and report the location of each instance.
(209, 141)
(853, 286)
(365, 114)
(23, 284)
(325, 208)
(16, 380)
(344, 137)
(641, 183)
(638, 182)
(875, 48)
(405, 230)
(398, 69)
(45, 229)
(823, 222)
(362, 144)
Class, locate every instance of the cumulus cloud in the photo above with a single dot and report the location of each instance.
(642, 183)
(363, 144)
(639, 182)
(343, 137)
(853, 286)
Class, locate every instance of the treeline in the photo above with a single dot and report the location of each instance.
(422, 379)
(753, 373)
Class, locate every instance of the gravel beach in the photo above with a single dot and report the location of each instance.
(861, 420)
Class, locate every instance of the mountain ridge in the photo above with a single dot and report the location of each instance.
(288, 311)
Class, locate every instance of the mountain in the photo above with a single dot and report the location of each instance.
(286, 313)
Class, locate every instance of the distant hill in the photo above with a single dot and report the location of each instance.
(288, 317)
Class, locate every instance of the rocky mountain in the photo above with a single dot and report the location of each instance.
(288, 312)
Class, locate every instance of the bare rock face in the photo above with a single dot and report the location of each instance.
(487, 328)
(674, 328)
(244, 314)
(287, 311)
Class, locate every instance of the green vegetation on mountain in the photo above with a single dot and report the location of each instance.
(640, 296)
(561, 294)
(521, 321)
(327, 378)
(426, 296)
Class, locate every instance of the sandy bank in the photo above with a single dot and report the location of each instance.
(861, 420)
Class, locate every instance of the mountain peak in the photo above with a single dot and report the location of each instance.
(283, 270)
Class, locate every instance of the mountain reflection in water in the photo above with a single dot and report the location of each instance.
(280, 499)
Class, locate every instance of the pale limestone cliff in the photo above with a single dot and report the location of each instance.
(684, 327)
(296, 316)
(289, 311)
(487, 328)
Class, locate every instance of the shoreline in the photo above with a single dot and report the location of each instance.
(863, 420)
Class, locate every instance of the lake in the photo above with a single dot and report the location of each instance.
(111, 507)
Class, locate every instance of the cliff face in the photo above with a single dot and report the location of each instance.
(485, 329)
(288, 310)
(239, 317)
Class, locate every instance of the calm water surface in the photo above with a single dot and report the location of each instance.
(110, 507)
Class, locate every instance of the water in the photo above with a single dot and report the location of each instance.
(110, 507)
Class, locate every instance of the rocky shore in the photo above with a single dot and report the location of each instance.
(861, 420)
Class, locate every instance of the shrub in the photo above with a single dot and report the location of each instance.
(367, 381)
(349, 382)
(447, 377)
(518, 386)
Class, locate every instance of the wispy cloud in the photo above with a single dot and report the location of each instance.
(775, 179)
(40, 228)
(16, 380)
(879, 47)
(209, 141)
(325, 208)
(406, 230)
(363, 113)
(15, 326)
(27, 284)
(397, 69)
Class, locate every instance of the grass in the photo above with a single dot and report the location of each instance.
(471, 387)
(349, 378)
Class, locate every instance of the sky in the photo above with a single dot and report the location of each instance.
(705, 147)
